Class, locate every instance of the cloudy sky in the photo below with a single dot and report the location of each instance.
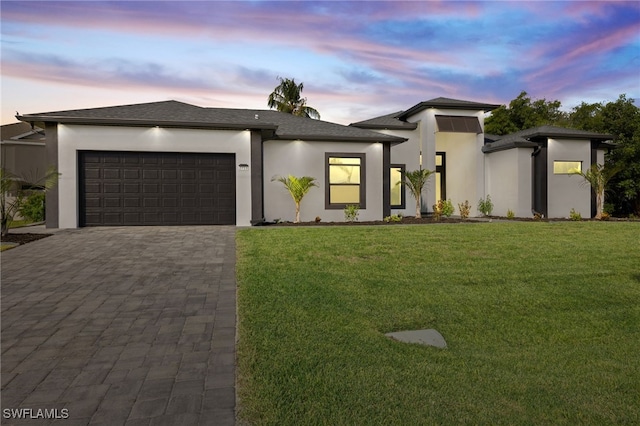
(357, 59)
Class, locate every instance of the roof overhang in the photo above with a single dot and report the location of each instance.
(145, 123)
(446, 105)
(393, 140)
(570, 135)
(498, 146)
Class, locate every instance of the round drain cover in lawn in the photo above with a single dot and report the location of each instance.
(428, 337)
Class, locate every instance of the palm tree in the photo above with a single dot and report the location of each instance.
(416, 181)
(598, 177)
(15, 184)
(298, 188)
(286, 97)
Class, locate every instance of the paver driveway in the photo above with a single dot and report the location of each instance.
(130, 326)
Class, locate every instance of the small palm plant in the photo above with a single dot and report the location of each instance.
(298, 188)
(416, 181)
(598, 177)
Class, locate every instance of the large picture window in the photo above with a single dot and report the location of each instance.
(345, 180)
(397, 187)
(566, 167)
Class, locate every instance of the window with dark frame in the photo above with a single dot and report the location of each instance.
(397, 186)
(566, 167)
(441, 176)
(345, 180)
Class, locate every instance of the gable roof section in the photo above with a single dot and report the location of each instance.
(447, 103)
(526, 138)
(386, 122)
(174, 114)
(21, 132)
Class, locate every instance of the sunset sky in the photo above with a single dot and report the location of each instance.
(357, 59)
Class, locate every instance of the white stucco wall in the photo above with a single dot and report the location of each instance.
(508, 181)
(407, 153)
(300, 158)
(464, 158)
(568, 191)
(74, 138)
(462, 172)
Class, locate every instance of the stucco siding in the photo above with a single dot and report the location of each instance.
(464, 159)
(508, 181)
(568, 191)
(462, 172)
(74, 138)
(407, 153)
(300, 158)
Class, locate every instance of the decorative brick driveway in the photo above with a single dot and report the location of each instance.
(115, 326)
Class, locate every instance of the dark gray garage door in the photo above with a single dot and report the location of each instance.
(150, 188)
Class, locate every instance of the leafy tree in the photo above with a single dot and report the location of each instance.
(286, 97)
(587, 117)
(523, 113)
(416, 181)
(598, 177)
(621, 119)
(15, 191)
(298, 188)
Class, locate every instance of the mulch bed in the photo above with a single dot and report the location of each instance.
(405, 221)
(410, 220)
(23, 238)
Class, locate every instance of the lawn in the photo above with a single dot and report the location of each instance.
(542, 323)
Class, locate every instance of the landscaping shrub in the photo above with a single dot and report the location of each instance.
(510, 214)
(574, 215)
(485, 206)
(465, 209)
(32, 208)
(351, 213)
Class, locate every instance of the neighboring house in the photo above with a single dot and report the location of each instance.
(171, 163)
(23, 152)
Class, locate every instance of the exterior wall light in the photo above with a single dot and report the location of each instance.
(243, 167)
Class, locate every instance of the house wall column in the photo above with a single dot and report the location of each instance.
(52, 213)
(428, 129)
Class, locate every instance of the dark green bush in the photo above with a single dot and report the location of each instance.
(32, 208)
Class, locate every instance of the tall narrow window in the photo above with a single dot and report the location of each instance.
(441, 192)
(345, 179)
(397, 187)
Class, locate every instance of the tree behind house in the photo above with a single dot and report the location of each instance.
(287, 97)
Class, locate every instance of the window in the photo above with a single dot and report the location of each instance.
(441, 192)
(566, 167)
(345, 179)
(397, 187)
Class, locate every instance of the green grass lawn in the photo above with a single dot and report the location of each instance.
(542, 322)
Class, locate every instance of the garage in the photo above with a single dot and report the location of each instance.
(152, 188)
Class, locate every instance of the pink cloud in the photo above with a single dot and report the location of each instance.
(589, 49)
